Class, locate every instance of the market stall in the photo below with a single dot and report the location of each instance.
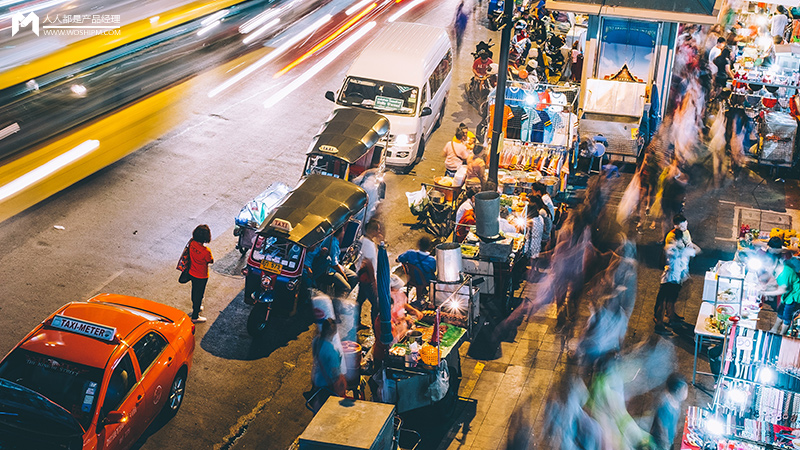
(756, 403)
(766, 77)
(729, 290)
(539, 133)
(490, 253)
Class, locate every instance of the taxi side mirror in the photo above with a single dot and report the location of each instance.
(330, 96)
(115, 417)
(426, 111)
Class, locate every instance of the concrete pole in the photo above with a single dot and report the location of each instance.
(500, 92)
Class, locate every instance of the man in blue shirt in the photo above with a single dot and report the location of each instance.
(422, 260)
(343, 278)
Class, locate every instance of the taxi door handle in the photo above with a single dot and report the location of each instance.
(169, 361)
(139, 399)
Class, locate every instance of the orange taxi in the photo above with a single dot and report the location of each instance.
(95, 374)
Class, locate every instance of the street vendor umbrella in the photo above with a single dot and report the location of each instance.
(384, 296)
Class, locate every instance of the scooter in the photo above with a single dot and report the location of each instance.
(252, 215)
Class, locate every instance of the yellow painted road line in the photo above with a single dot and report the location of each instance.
(469, 386)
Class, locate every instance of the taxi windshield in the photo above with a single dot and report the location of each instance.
(278, 251)
(379, 95)
(71, 385)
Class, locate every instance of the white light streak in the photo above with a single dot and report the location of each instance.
(260, 31)
(406, 9)
(329, 58)
(47, 169)
(357, 6)
(9, 130)
(272, 55)
(208, 28)
(258, 20)
(214, 17)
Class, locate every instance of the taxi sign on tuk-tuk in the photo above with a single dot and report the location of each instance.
(282, 225)
(328, 149)
(83, 327)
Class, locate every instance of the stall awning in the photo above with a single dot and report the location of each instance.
(680, 11)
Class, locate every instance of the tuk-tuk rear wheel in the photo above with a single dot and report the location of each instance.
(257, 320)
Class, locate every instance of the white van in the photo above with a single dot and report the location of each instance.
(405, 74)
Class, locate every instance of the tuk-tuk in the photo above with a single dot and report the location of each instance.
(352, 146)
(317, 207)
(350, 142)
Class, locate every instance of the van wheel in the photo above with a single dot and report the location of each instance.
(441, 115)
(420, 152)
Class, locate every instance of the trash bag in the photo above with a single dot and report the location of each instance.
(417, 201)
(440, 384)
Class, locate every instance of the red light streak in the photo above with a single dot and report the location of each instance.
(327, 40)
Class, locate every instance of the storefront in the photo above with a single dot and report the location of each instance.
(628, 63)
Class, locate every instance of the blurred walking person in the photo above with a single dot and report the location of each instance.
(460, 25)
(326, 370)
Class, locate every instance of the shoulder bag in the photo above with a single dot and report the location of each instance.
(184, 263)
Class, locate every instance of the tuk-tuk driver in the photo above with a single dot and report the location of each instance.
(342, 278)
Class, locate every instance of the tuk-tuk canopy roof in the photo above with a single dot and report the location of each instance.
(314, 209)
(349, 133)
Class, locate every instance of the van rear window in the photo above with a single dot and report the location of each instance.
(379, 95)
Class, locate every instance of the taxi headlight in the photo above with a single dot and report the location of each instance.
(402, 154)
(403, 139)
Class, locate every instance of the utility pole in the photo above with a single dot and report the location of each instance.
(500, 92)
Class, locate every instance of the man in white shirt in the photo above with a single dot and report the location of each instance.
(777, 24)
(713, 53)
(541, 190)
(367, 265)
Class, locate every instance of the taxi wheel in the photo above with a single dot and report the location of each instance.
(176, 392)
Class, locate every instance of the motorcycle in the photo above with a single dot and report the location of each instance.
(252, 215)
(478, 88)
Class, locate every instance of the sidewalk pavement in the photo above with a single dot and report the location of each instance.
(533, 362)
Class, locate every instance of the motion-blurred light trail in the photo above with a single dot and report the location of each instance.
(405, 9)
(356, 7)
(327, 40)
(329, 58)
(272, 55)
(47, 169)
(252, 37)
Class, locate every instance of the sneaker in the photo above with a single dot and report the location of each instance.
(200, 319)
(201, 308)
(662, 330)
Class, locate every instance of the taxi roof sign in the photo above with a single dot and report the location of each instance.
(282, 224)
(83, 327)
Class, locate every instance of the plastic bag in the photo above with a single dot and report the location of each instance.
(439, 386)
(416, 201)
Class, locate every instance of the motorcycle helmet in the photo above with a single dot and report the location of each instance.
(520, 25)
(493, 69)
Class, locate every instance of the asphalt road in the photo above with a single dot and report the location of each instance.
(122, 229)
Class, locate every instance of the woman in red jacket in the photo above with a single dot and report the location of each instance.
(200, 257)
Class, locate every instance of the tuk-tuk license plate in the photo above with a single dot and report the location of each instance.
(271, 267)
